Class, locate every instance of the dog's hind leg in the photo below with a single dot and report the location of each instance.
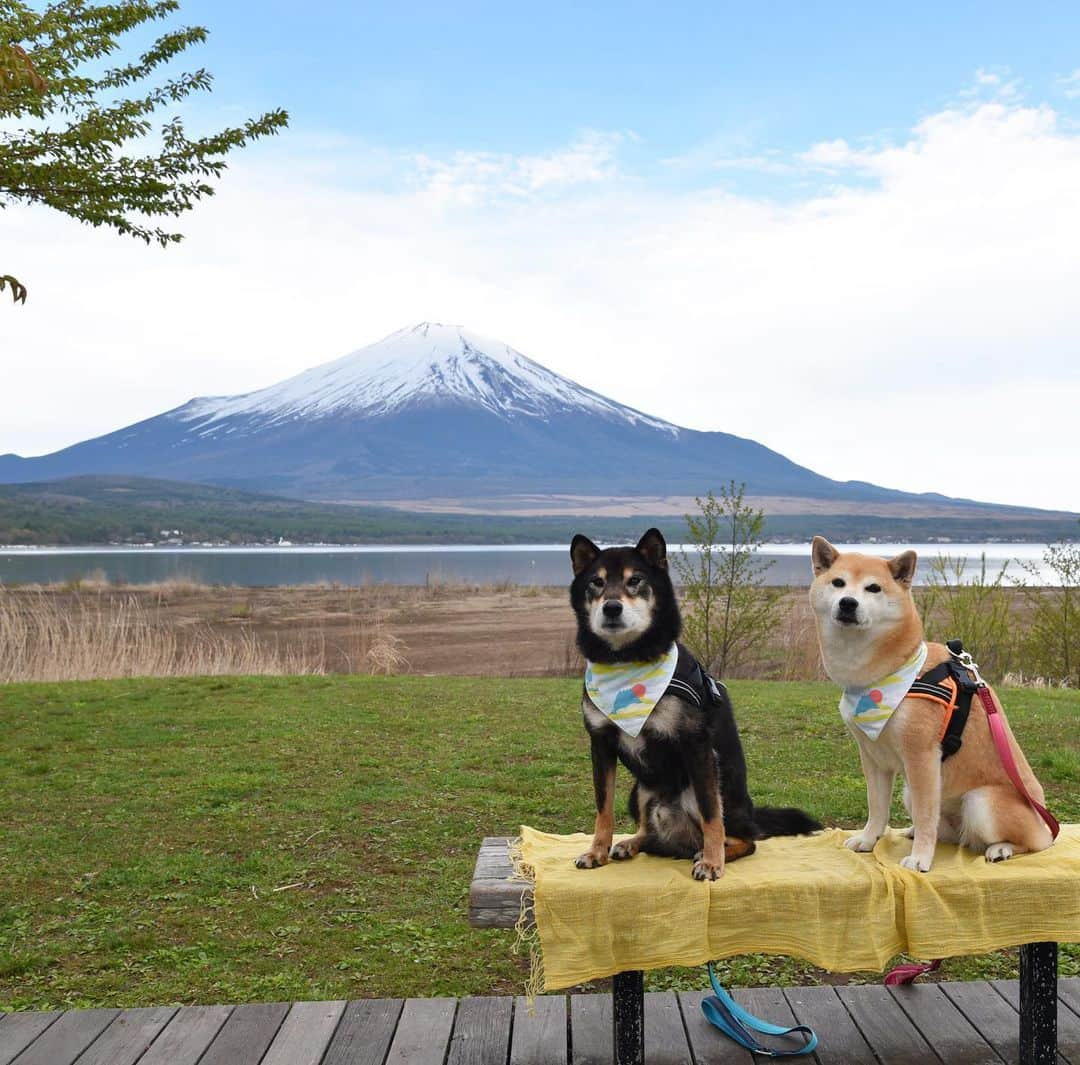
(997, 821)
(700, 760)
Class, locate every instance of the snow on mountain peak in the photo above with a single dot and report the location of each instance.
(429, 363)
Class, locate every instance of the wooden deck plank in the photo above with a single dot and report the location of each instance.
(591, 1032)
(539, 1039)
(665, 1037)
(305, 1034)
(839, 1040)
(128, 1037)
(481, 1032)
(709, 1046)
(184, 1039)
(885, 1026)
(245, 1036)
(365, 1032)
(1069, 993)
(1068, 1024)
(65, 1040)
(981, 1005)
(19, 1030)
(769, 1004)
(953, 1038)
(423, 1032)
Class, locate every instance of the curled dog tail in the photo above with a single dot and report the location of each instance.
(783, 821)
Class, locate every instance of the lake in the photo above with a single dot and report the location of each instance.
(543, 564)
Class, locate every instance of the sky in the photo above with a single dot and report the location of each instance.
(848, 232)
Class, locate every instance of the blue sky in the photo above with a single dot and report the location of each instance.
(814, 212)
(725, 78)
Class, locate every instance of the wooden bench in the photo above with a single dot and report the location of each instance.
(495, 901)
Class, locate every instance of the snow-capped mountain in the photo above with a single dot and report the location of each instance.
(429, 363)
(433, 411)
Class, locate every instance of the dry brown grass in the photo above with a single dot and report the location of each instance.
(85, 635)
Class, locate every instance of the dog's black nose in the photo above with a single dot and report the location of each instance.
(612, 608)
(848, 605)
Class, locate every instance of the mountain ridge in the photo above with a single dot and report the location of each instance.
(438, 411)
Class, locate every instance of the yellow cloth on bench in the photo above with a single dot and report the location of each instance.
(809, 897)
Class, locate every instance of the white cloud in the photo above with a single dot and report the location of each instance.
(471, 178)
(1070, 85)
(919, 330)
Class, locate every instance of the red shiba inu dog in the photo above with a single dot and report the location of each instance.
(872, 645)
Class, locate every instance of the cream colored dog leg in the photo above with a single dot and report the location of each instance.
(879, 792)
(923, 774)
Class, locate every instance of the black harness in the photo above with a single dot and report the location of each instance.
(691, 683)
(953, 686)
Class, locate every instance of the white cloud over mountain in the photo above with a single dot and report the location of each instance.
(906, 314)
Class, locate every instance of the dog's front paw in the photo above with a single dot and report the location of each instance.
(998, 852)
(591, 859)
(861, 843)
(704, 870)
(916, 865)
(623, 851)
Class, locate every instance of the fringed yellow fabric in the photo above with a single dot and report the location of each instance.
(527, 934)
(808, 897)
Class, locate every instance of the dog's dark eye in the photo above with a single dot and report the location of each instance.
(634, 583)
(838, 582)
(873, 587)
(597, 582)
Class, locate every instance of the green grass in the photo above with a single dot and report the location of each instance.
(278, 838)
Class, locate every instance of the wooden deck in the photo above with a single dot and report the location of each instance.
(955, 1024)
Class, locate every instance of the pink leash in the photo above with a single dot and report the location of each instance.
(908, 974)
(1001, 741)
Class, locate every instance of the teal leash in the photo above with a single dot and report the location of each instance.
(722, 1011)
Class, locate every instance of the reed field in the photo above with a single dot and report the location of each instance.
(90, 629)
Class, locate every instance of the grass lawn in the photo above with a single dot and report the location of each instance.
(245, 839)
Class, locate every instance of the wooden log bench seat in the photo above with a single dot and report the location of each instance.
(1031, 1021)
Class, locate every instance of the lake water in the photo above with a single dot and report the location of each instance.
(543, 564)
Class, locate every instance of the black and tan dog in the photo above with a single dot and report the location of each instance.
(690, 797)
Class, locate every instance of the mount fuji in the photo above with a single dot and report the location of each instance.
(435, 411)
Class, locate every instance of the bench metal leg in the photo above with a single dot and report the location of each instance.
(628, 1013)
(1038, 1003)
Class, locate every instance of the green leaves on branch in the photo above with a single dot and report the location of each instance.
(18, 290)
(89, 149)
(728, 610)
(17, 72)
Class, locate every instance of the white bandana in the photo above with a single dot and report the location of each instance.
(870, 708)
(626, 692)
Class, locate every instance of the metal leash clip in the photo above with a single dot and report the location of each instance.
(963, 658)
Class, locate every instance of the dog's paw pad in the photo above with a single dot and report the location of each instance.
(704, 870)
(622, 852)
(862, 844)
(999, 852)
(916, 865)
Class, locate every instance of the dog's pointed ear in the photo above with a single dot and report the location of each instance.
(582, 553)
(822, 554)
(903, 567)
(654, 548)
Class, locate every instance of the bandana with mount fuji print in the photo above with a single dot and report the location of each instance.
(869, 709)
(626, 692)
